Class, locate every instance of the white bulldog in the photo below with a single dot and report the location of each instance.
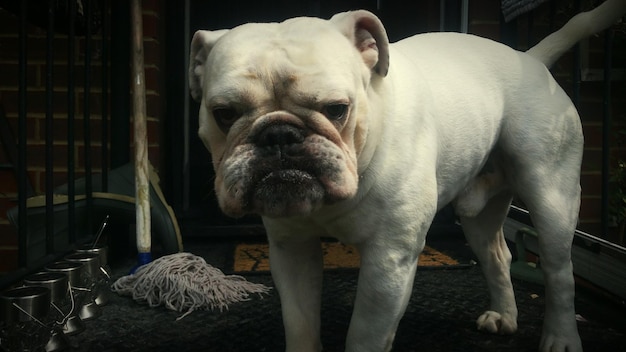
(325, 129)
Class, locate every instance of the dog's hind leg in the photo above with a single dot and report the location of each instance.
(486, 238)
(554, 213)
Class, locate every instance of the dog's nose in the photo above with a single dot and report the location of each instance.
(280, 135)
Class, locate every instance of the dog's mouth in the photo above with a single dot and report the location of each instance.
(287, 192)
(291, 176)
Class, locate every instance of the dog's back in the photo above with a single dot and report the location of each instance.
(474, 94)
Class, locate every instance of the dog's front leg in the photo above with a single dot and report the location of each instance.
(297, 272)
(385, 285)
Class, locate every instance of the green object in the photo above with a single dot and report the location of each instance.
(118, 202)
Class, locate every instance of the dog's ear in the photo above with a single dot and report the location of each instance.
(201, 45)
(367, 33)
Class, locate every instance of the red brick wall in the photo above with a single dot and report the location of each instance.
(36, 75)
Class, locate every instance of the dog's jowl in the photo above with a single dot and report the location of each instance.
(324, 128)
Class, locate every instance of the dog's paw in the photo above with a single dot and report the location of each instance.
(560, 342)
(496, 323)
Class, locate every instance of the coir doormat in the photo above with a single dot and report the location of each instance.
(255, 257)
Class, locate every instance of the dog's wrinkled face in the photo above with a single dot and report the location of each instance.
(283, 112)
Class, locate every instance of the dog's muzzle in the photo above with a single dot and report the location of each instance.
(283, 169)
(286, 177)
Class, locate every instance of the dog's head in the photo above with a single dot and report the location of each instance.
(284, 109)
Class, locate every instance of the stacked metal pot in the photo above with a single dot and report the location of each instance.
(55, 303)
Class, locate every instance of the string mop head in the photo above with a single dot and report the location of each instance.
(185, 282)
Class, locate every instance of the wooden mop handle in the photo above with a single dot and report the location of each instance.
(142, 182)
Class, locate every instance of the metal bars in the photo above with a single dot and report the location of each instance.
(105, 97)
(22, 140)
(87, 115)
(71, 145)
(50, 126)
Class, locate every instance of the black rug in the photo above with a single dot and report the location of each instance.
(440, 317)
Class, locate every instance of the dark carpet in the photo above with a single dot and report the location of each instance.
(440, 317)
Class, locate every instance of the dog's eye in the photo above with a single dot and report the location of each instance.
(335, 111)
(225, 116)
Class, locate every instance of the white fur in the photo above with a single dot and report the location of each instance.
(449, 118)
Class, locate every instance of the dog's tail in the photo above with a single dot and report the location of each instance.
(579, 27)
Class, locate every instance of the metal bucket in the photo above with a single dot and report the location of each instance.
(55, 282)
(76, 277)
(101, 250)
(91, 262)
(74, 271)
(96, 273)
(24, 304)
(24, 319)
(104, 277)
